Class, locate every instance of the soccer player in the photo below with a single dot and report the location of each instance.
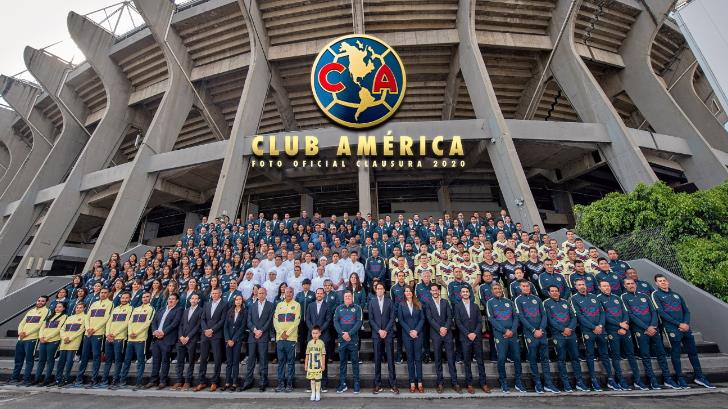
(315, 362)
(620, 336)
(502, 317)
(28, 330)
(675, 316)
(96, 319)
(116, 334)
(562, 324)
(347, 322)
(550, 277)
(534, 321)
(71, 335)
(286, 318)
(590, 314)
(643, 323)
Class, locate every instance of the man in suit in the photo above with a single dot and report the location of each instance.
(439, 315)
(381, 320)
(188, 336)
(317, 314)
(468, 320)
(260, 320)
(164, 335)
(213, 319)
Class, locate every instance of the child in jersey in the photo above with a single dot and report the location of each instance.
(315, 362)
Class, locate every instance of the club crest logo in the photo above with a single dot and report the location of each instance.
(358, 81)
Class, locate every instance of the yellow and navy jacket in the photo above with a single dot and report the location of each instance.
(51, 329)
(73, 329)
(32, 323)
(286, 318)
(97, 316)
(119, 321)
(141, 319)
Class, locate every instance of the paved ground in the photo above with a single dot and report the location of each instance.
(11, 397)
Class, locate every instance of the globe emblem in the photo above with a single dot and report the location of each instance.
(358, 81)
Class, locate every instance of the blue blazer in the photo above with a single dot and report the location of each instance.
(381, 319)
(235, 328)
(411, 321)
(171, 325)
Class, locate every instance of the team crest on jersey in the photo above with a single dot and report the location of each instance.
(593, 301)
(534, 302)
(616, 301)
(643, 299)
(675, 295)
(508, 305)
(564, 306)
(358, 81)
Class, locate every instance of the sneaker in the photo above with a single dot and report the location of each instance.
(318, 397)
(595, 385)
(341, 388)
(640, 386)
(102, 385)
(289, 389)
(504, 387)
(581, 386)
(670, 383)
(279, 388)
(624, 385)
(357, 388)
(313, 396)
(654, 385)
(77, 384)
(324, 389)
(537, 387)
(613, 385)
(568, 389)
(682, 384)
(702, 381)
(519, 387)
(113, 387)
(551, 388)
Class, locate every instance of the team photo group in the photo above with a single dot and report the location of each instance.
(447, 292)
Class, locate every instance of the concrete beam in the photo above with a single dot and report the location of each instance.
(17, 148)
(681, 85)
(51, 72)
(364, 190)
(452, 86)
(654, 101)
(21, 96)
(100, 149)
(502, 153)
(532, 94)
(168, 120)
(234, 172)
(586, 96)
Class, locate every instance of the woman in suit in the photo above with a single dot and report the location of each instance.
(234, 330)
(412, 319)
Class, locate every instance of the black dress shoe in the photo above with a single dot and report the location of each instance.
(261, 388)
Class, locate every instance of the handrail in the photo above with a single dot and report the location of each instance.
(26, 308)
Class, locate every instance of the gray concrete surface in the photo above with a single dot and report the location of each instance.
(12, 397)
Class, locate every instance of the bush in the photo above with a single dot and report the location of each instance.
(697, 222)
(705, 263)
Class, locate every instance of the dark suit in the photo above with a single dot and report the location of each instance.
(322, 318)
(188, 327)
(162, 346)
(466, 325)
(437, 320)
(258, 347)
(213, 344)
(414, 321)
(234, 331)
(382, 320)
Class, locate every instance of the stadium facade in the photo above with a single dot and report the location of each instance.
(556, 101)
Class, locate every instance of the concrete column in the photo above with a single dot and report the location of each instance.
(444, 200)
(502, 151)
(365, 191)
(21, 96)
(51, 73)
(564, 203)
(168, 120)
(307, 203)
(101, 147)
(17, 148)
(654, 102)
(588, 99)
(682, 89)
